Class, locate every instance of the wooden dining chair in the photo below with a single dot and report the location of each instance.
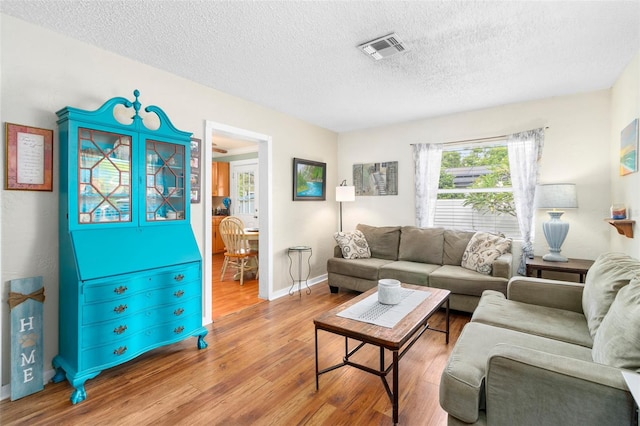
(237, 253)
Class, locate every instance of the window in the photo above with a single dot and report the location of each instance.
(474, 191)
(246, 192)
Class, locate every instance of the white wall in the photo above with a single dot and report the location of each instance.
(43, 72)
(625, 107)
(576, 150)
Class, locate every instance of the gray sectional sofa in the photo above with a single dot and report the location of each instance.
(550, 352)
(421, 256)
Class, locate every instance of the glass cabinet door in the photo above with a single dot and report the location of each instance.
(165, 198)
(104, 181)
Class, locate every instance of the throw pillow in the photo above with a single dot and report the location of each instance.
(483, 249)
(617, 341)
(353, 245)
(608, 274)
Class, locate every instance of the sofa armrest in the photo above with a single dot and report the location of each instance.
(550, 293)
(502, 266)
(337, 251)
(529, 387)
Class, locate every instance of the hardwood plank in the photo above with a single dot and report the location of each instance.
(228, 295)
(259, 369)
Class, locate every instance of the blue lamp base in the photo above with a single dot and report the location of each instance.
(555, 231)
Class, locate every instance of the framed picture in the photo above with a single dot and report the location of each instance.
(29, 153)
(195, 170)
(309, 180)
(195, 196)
(376, 178)
(629, 149)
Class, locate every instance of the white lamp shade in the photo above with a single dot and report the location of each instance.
(556, 196)
(345, 193)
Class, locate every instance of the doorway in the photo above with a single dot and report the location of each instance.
(262, 205)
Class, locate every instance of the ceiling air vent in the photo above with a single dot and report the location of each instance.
(383, 47)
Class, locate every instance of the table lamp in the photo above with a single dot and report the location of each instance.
(344, 193)
(556, 196)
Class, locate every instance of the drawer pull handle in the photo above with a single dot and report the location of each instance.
(179, 277)
(121, 350)
(120, 330)
(179, 329)
(179, 293)
(120, 290)
(120, 309)
(178, 312)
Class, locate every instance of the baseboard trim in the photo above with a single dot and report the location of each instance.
(312, 281)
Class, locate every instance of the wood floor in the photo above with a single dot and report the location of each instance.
(259, 369)
(228, 295)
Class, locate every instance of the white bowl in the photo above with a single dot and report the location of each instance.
(389, 291)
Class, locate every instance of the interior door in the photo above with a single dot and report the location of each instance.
(244, 194)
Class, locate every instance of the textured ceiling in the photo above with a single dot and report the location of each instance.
(300, 57)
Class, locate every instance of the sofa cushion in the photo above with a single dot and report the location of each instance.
(617, 341)
(482, 250)
(462, 392)
(421, 244)
(383, 240)
(567, 326)
(459, 280)
(455, 243)
(360, 268)
(608, 274)
(353, 245)
(408, 272)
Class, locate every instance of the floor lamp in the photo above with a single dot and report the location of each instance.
(556, 196)
(344, 193)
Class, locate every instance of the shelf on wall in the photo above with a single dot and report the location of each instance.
(624, 226)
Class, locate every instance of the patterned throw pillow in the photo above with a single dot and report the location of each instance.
(483, 249)
(353, 245)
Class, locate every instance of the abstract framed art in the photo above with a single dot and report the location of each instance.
(376, 178)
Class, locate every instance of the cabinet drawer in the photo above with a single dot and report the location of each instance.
(123, 287)
(118, 289)
(124, 328)
(125, 349)
(126, 307)
(175, 276)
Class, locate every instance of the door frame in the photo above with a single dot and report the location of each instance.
(265, 165)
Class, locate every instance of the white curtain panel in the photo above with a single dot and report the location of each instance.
(525, 151)
(427, 159)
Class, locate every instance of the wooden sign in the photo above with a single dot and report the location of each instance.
(26, 302)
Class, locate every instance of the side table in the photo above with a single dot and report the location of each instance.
(300, 250)
(573, 266)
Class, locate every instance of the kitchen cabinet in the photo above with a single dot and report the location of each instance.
(218, 244)
(220, 179)
(130, 268)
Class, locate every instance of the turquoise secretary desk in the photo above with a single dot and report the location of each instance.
(130, 268)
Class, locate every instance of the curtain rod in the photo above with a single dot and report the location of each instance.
(487, 139)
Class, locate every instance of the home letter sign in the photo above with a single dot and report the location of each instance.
(26, 302)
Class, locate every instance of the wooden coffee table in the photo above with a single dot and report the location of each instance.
(398, 339)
